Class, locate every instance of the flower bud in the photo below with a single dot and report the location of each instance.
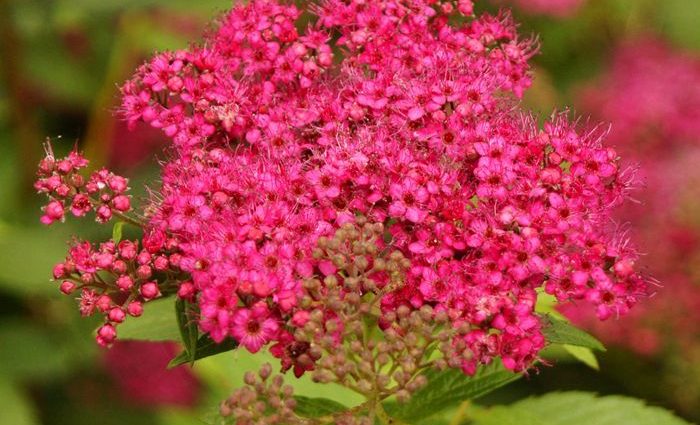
(186, 291)
(67, 287)
(135, 309)
(104, 213)
(125, 282)
(106, 334)
(118, 184)
(54, 210)
(144, 272)
(103, 303)
(121, 203)
(150, 290)
(116, 315)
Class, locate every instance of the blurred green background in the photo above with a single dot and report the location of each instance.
(61, 62)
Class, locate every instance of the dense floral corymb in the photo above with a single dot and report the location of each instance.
(384, 112)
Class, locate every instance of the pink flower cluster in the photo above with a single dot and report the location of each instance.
(656, 122)
(115, 279)
(277, 143)
(102, 192)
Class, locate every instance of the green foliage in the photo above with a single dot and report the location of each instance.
(561, 332)
(186, 322)
(195, 347)
(448, 388)
(204, 347)
(583, 354)
(574, 408)
(117, 231)
(558, 326)
(156, 324)
(316, 407)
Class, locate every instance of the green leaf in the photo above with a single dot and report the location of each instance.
(16, 409)
(204, 347)
(574, 408)
(449, 388)
(583, 354)
(158, 323)
(188, 327)
(560, 332)
(117, 231)
(316, 407)
(547, 304)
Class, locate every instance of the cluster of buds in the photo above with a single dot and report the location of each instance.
(343, 335)
(115, 279)
(68, 189)
(345, 318)
(264, 400)
(387, 357)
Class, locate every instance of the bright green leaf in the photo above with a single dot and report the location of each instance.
(560, 332)
(188, 327)
(574, 408)
(583, 354)
(449, 388)
(316, 407)
(204, 347)
(158, 323)
(547, 304)
(117, 231)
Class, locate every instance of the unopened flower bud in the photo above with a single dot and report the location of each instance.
(103, 303)
(121, 203)
(150, 290)
(106, 334)
(67, 287)
(160, 263)
(186, 291)
(104, 213)
(125, 282)
(135, 309)
(118, 184)
(117, 315)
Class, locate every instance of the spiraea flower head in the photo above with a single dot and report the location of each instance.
(375, 164)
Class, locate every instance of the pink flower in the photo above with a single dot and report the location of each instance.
(254, 327)
(408, 200)
(275, 147)
(325, 182)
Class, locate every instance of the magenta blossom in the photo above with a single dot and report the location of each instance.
(415, 126)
